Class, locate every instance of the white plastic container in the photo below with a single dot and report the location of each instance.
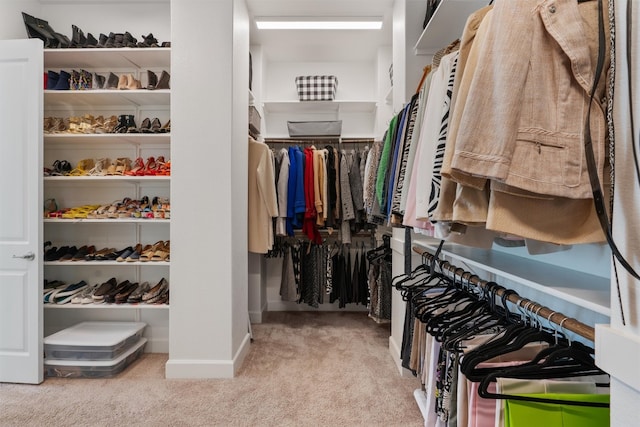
(93, 341)
(94, 368)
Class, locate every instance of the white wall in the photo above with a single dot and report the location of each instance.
(209, 319)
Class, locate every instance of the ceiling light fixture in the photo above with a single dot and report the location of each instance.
(318, 23)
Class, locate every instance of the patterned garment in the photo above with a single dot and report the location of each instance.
(380, 290)
(311, 273)
(397, 194)
(436, 180)
(370, 178)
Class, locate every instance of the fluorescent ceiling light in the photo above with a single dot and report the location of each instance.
(318, 23)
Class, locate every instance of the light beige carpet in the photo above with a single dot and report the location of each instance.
(303, 369)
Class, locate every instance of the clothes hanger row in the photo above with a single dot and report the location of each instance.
(470, 280)
(456, 306)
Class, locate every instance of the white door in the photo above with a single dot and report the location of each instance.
(21, 276)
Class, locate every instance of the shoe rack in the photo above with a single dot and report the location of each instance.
(74, 191)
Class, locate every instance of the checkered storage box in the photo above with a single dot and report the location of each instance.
(316, 88)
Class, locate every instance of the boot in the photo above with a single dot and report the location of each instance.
(163, 82)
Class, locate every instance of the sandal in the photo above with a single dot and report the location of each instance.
(137, 169)
(161, 253)
(123, 165)
(147, 255)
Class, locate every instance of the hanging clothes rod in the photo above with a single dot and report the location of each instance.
(539, 310)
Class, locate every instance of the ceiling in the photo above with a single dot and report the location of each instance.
(321, 45)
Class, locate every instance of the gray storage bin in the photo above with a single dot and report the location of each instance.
(315, 128)
(254, 120)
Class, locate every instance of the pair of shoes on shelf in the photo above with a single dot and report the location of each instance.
(83, 168)
(136, 296)
(59, 168)
(79, 40)
(103, 289)
(99, 255)
(125, 122)
(58, 81)
(159, 294)
(153, 82)
(84, 297)
(119, 166)
(152, 167)
(55, 125)
(117, 40)
(159, 251)
(65, 293)
(128, 82)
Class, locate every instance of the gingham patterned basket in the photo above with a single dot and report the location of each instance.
(316, 88)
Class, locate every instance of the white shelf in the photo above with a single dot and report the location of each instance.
(106, 97)
(585, 290)
(125, 306)
(110, 178)
(446, 25)
(153, 57)
(107, 221)
(108, 138)
(109, 263)
(293, 106)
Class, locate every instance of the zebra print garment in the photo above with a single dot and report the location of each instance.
(397, 194)
(436, 178)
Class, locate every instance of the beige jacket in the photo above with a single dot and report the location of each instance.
(263, 204)
(523, 121)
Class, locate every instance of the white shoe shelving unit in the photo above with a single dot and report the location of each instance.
(70, 191)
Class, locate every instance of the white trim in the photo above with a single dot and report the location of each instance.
(203, 368)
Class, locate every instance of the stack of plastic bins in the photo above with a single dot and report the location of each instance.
(93, 349)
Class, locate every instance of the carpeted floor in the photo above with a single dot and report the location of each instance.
(303, 369)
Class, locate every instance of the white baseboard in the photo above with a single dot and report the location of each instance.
(202, 369)
(256, 316)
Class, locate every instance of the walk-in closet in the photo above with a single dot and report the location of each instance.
(466, 183)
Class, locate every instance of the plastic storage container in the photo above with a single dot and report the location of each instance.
(93, 340)
(94, 368)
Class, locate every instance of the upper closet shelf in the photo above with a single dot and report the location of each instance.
(586, 290)
(319, 106)
(148, 57)
(446, 24)
(94, 97)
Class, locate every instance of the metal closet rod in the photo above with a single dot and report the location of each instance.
(535, 308)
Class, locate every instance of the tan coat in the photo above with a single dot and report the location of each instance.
(522, 122)
(263, 205)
